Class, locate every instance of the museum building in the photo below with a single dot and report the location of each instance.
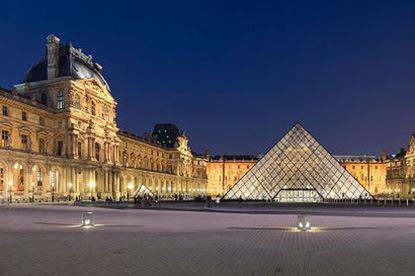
(59, 138)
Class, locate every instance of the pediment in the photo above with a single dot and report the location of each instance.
(97, 87)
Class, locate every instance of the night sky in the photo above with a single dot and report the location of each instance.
(236, 75)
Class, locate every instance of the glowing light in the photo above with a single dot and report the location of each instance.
(87, 219)
(129, 186)
(304, 223)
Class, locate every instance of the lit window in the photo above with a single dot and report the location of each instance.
(60, 101)
(39, 178)
(4, 138)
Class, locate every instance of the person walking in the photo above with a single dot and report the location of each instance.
(240, 202)
(217, 200)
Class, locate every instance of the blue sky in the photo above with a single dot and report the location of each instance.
(236, 75)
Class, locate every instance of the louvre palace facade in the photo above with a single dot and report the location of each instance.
(59, 138)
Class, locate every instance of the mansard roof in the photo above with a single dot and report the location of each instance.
(72, 62)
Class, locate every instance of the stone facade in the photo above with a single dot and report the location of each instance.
(401, 171)
(224, 171)
(60, 138)
(370, 171)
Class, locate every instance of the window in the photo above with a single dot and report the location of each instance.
(376, 167)
(60, 148)
(60, 124)
(39, 178)
(24, 141)
(353, 167)
(5, 136)
(24, 116)
(5, 111)
(93, 108)
(80, 149)
(106, 113)
(77, 102)
(97, 149)
(44, 99)
(60, 101)
(41, 121)
(42, 148)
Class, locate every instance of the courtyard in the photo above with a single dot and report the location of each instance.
(47, 240)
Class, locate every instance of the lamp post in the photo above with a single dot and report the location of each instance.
(129, 187)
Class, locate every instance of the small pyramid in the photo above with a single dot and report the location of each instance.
(297, 169)
(143, 189)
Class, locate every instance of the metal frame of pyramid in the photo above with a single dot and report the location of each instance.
(297, 169)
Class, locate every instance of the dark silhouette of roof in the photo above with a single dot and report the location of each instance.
(72, 62)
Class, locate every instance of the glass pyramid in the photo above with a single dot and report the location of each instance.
(297, 169)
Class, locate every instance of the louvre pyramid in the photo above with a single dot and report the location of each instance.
(297, 169)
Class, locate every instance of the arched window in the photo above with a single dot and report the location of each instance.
(97, 149)
(77, 102)
(60, 101)
(93, 108)
(44, 99)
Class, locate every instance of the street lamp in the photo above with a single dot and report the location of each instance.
(129, 187)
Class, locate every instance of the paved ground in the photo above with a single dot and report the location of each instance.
(46, 240)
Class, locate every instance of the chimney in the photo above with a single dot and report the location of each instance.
(207, 153)
(98, 67)
(52, 56)
(384, 156)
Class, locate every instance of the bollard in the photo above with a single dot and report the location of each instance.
(87, 219)
(407, 203)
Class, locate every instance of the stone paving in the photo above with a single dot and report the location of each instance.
(47, 240)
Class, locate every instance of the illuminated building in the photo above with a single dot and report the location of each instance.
(60, 138)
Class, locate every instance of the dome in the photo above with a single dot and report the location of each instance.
(72, 62)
